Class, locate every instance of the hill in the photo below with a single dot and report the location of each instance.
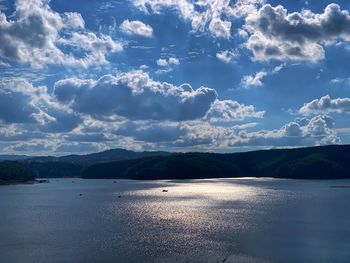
(7, 157)
(323, 162)
(105, 156)
(14, 172)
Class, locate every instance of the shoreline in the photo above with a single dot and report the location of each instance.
(16, 182)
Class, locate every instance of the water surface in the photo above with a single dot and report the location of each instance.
(219, 220)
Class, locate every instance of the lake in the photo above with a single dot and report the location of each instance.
(218, 220)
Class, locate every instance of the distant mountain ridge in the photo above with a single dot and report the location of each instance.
(322, 162)
(8, 157)
(105, 156)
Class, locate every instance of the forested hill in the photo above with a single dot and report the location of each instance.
(324, 162)
(105, 156)
(15, 172)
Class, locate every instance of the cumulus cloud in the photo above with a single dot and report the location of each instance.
(326, 105)
(134, 95)
(32, 34)
(277, 34)
(97, 47)
(210, 16)
(21, 102)
(302, 132)
(152, 132)
(15, 132)
(250, 80)
(136, 28)
(242, 8)
(230, 110)
(163, 62)
(257, 79)
(220, 28)
(35, 146)
(176, 135)
(16, 103)
(226, 56)
(79, 117)
(73, 20)
(206, 136)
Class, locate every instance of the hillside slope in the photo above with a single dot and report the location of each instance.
(326, 162)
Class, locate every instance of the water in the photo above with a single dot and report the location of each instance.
(221, 220)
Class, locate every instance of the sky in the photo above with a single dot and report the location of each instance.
(175, 75)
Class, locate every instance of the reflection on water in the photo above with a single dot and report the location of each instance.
(221, 220)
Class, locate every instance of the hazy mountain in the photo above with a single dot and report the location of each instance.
(5, 157)
(105, 156)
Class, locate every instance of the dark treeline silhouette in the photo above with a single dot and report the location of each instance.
(327, 162)
(15, 171)
(324, 162)
(105, 156)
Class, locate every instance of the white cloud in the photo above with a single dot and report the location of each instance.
(73, 20)
(204, 15)
(219, 28)
(23, 103)
(277, 34)
(250, 80)
(90, 42)
(302, 132)
(326, 105)
(135, 96)
(173, 61)
(136, 28)
(226, 56)
(17, 103)
(34, 147)
(257, 79)
(163, 62)
(345, 81)
(230, 110)
(34, 30)
(206, 136)
(242, 8)
(133, 111)
(4, 64)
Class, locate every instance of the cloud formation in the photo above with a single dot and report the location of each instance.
(326, 105)
(277, 34)
(256, 80)
(301, 132)
(32, 34)
(226, 56)
(210, 16)
(17, 103)
(163, 62)
(203, 135)
(133, 111)
(228, 110)
(22, 103)
(136, 28)
(250, 80)
(135, 96)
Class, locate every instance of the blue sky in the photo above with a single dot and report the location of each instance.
(206, 75)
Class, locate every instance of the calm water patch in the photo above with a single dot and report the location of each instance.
(219, 220)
